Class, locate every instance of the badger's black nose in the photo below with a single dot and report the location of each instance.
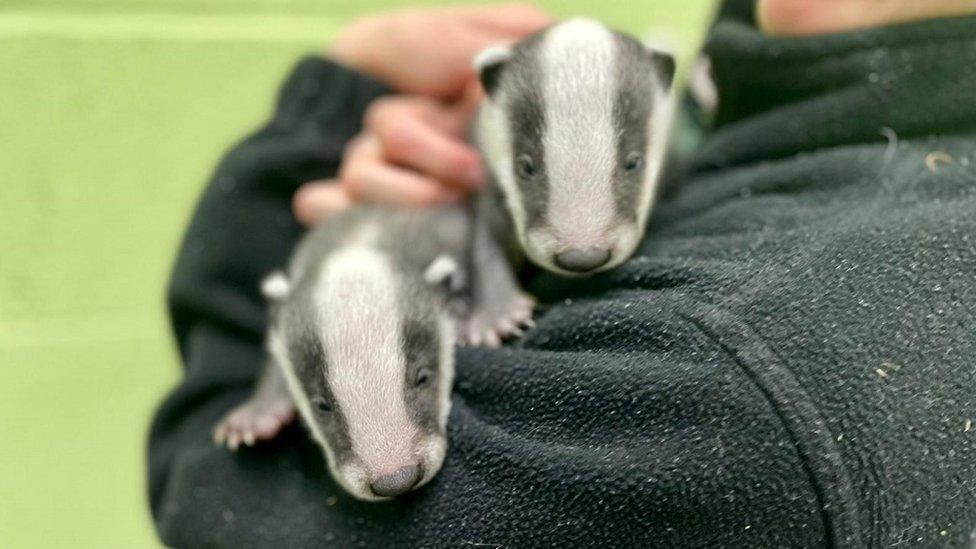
(582, 260)
(396, 483)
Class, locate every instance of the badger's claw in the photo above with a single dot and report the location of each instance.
(490, 325)
(255, 420)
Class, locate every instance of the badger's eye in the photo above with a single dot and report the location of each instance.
(321, 404)
(525, 166)
(423, 377)
(634, 162)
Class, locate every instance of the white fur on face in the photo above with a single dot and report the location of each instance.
(279, 350)
(367, 366)
(578, 76)
(448, 335)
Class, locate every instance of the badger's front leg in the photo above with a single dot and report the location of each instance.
(498, 308)
(262, 415)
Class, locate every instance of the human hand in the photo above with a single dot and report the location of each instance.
(809, 17)
(411, 152)
(429, 51)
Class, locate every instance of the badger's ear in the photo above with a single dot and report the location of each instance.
(275, 287)
(664, 64)
(489, 64)
(445, 274)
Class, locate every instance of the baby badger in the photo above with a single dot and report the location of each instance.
(361, 342)
(574, 132)
(363, 324)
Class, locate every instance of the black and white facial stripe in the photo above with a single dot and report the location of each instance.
(574, 131)
(368, 355)
(634, 105)
(527, 120)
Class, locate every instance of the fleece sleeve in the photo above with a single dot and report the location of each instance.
(241, 230)
(788, 360)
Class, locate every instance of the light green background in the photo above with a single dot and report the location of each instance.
(112, 114)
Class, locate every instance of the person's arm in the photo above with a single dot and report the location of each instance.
(242, 229)
(787, 362)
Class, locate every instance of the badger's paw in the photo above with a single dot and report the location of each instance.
(491, 323)
(255, 420)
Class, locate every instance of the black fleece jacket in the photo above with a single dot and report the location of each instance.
(789, 360)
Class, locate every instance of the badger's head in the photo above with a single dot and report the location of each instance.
(368, 355)
(574, 130)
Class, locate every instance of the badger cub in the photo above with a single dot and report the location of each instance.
(361, 341)
(574, 130)
(364, 321)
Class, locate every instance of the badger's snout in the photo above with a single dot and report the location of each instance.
(582, 260)
(394, 473)
(579, 251)
(398, 482)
